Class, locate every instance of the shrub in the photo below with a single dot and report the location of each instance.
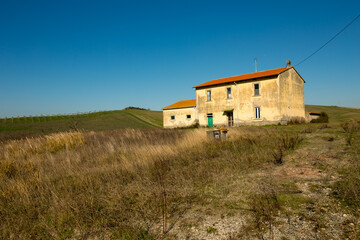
(350, 127)
(265, 207)
(323, 118)
(296, 120)
(348, 188)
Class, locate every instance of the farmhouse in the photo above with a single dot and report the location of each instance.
(260, 98)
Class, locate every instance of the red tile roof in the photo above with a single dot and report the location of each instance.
(182, 104)
(248, 76)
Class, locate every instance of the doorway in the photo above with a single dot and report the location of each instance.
(210, 120)
(230, 116)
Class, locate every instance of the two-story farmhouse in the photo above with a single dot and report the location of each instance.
(260, 98)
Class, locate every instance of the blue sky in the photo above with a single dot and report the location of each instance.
(78, 56)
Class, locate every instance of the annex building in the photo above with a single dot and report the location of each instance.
(260, 98)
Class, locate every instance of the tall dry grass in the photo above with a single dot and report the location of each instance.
(126, 184)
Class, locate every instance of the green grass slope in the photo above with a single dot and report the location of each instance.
(108, 120)
(98, 121)
(336, 114)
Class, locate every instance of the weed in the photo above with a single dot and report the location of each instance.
(330, 139)
(211, 230)
(308, 130)
(264, 206)
(285, 142)
(351, 128)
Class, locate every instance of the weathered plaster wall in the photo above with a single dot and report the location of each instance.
(218, 104)
(180, 117)
(243, 102)
(292, 104)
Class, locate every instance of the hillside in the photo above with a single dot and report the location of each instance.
(336, 114)
(13, 128)
(97, 121)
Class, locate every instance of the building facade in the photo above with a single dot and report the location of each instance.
(261, 98)
(180, 114)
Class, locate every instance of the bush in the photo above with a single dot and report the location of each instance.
(265, 207)
(350, 127)
(323, 118)
(296, 120)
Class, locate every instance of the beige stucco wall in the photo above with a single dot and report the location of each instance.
(281, 99)
(243, 102)
(180, 117)
(292, 104)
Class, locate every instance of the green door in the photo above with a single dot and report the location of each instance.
(210, 121)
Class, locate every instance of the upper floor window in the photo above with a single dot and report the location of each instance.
(172, 117)
(256, 89)
(208, 95)
(228, 93)
(188, 116)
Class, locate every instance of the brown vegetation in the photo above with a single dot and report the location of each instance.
(139, 184)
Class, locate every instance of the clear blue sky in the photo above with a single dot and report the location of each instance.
(77, 56)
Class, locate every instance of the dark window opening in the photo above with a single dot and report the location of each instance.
(228, 93)
(256, 89)
(188, 116)
(172, 117)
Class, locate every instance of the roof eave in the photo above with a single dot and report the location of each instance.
(245, 80)
(177, 107)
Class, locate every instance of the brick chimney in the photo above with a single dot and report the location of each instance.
(288, 63)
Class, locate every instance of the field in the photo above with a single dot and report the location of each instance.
(272, 182)
(14, 128)
(336, 114)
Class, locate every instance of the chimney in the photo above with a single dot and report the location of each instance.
(288, 63)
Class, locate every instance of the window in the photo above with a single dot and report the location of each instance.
(172, 117)
(257, 112)
(188, 116)
(256, 89)
(208, 95)
(228, 93)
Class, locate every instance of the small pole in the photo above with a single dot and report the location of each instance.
(255, 64)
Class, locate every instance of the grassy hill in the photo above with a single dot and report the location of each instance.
(336, 114)
(98, 121)
(110, 120)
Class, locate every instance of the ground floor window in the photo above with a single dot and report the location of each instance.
(188, 116)
(257, 112)
(172, 117)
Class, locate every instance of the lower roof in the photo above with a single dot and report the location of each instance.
(182, 104)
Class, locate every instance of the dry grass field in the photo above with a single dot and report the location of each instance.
(276, 182)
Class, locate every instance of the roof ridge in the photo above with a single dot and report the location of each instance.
(242, 77)
(252, 73)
